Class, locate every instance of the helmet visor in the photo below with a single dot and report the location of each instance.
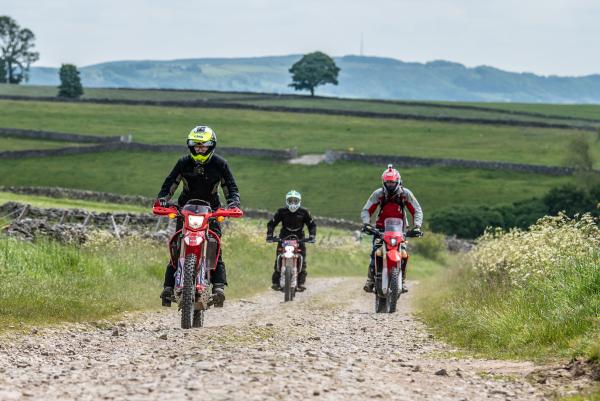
(191, 142)
(391, 185)
(293, 201)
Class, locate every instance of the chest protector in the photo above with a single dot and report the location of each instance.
(390, 207)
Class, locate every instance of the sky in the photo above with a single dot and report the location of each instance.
(547, 37)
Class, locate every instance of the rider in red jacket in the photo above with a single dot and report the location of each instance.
(392, 200)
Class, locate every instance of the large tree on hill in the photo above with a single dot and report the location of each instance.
(70, 83)
(312, 70)
(16, 45)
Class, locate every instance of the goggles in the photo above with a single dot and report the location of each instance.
(191, 142)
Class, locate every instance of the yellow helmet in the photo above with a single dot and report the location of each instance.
(202, 135)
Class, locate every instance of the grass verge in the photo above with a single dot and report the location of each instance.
(47, 282)
(524, 294)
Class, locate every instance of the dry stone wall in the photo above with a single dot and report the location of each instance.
(406, 161)
(207, 103)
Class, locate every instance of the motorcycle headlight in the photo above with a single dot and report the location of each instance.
(195, 221)
(289, 248)
(393, 242)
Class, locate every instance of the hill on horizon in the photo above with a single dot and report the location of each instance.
(360, 77)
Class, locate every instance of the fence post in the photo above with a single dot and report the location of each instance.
(115, 228)
(87, 218)
(158, 223)
(23, 213)
(64, 216)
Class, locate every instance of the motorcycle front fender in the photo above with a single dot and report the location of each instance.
(394, 256)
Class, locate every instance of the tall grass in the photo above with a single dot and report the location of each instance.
(525, 294)
(46, 281)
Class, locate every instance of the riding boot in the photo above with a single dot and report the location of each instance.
(168, 285)
(301, 279)
(275, 278)
(218, 297)
(370, 283)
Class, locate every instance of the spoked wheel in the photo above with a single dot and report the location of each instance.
(287, 288)
(198, 318)
(188, 292)
(393, 291)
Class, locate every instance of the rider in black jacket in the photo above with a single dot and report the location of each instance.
(293, 218)
(202, 172)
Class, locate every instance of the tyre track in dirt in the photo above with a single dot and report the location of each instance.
(326, 345)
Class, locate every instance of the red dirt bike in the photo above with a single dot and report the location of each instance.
(197, 258)
(289, 263)
(388, 260)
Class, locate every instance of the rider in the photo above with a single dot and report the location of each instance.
(293, 217)
(392, 199)
(202, 171)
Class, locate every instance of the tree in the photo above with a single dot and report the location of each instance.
(16, 45)
(3, 74)
(579, 154)
(312, 70)
(70, 83)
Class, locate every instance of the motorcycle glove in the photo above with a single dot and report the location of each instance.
(233, 205)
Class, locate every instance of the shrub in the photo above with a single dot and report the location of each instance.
(432, 246)
(525, 294)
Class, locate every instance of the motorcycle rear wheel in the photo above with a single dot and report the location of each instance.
(198, 320)
(188, 292)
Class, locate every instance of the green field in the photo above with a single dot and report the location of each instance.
(588, 111)
(496, 110)
(308, 133)
(130, 94)
(337, 190)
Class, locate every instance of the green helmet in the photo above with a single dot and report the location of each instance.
(293, 200)
(202, 135)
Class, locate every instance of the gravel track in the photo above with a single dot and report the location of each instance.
(326, 345)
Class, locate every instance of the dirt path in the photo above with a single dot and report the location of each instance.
(326, 345)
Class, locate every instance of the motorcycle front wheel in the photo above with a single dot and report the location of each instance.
(188, 292)
(287, 288)
(393, 291)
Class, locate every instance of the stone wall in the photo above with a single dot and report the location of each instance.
(207, 103)
(60, 136)
(406, 161)
(57, 192)
(116, 146)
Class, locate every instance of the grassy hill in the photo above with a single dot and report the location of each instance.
(307, 133)
(337, 190)
(364, 77)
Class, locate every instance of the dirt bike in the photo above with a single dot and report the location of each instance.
(388, 262)
(289, 263)
(194, 251)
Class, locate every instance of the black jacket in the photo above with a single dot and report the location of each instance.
(292, 223)
(201, 181)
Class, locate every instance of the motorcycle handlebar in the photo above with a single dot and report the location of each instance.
(173, 208)
(369, 229)
(303, 240)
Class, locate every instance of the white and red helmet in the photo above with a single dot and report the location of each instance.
(391, 181)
